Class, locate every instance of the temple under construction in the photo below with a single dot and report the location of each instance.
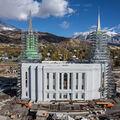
(63, 80)
(100, 54)
(30, 42)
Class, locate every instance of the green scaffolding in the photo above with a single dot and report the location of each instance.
(30, 46)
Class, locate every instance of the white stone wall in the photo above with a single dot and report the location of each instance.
(37, 81)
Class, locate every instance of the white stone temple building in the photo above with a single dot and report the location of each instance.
(63, 80)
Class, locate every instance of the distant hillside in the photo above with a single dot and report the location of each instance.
(11, 35)
(14, 37)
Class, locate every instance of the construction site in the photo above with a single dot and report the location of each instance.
(12, 107)
(17, 109)
(60, 90)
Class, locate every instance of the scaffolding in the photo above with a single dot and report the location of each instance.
(29, 51)
(101, 54)
(30, 44)
(100, 51)
(19, 81)
(30, 47)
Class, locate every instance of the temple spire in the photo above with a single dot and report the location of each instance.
(30, 22)
(98, 25)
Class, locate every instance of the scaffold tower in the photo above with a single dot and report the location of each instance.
(30, 43)
(101, 54)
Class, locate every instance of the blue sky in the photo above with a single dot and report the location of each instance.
(80, 19)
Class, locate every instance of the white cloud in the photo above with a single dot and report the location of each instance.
(93, 27)
(19, 9)
(110, 29)
(57, 8)
(70, 10)
(64, 25)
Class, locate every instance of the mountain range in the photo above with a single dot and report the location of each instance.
(112, 37)
(11, 34)
(5, 26)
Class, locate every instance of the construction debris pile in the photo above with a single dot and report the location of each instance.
(76, 110)
(17, 109)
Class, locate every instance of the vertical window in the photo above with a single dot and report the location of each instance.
(26, 83)
(103, 83)
(76, 80)
(47, 80)
(103, 79)
(60, 95)
(70, 96)
(47, 95)
(25, 75)
(70, 83)
(65, 80)
(54, 78)
(83, 81)
(26, 93)
(26, 80)
(60, 81)
(76, 95)
(83, 96)
(54, 95)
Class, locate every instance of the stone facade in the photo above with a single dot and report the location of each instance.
(61, 81)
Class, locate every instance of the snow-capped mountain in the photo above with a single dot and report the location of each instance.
(81, 35)
(113, 37)
(7, 27)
